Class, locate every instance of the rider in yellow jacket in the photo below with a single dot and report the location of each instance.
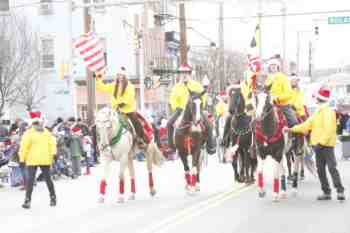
(298, 99)
(281, 91)
(178, 100)
(122, 98)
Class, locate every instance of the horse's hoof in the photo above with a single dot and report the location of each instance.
(101, 199)
(153, 192)
(191, 191)
(283, 195)
(187, 187)
(120, 200)
(262, 194)
(197, 188)
(132, 197)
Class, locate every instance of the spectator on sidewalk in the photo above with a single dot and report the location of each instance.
(76, 150)
(37, 149)
(322, 125)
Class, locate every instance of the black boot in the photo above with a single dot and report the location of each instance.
(341, 197)
(324, 197)
(53, 201)
(26, 204)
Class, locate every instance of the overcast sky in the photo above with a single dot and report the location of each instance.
(332, 48)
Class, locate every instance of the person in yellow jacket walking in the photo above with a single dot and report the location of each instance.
(37, 149)
(178, 100)
(281, 91)
(123, 98)
(322, 126)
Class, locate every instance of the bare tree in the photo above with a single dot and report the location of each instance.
(29, 96)
(207, 63)
(19, 59)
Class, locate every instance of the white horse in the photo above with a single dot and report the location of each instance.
(116, 143)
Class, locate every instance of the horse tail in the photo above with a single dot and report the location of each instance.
(154, 155)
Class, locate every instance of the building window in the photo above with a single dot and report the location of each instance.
(347, 89)
(45, 7)
(82, 111)
(47, 53)
(99, 9)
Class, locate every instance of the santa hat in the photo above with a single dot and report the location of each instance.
(324, 93)
(121, 70)
(35, 117)
(76, 130)
(222, 95)
(185, 68)
(274, 61)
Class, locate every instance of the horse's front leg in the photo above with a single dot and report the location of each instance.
(106, 162)
(132, 177)
(298, 161)
(123, 165)
(261, 164)
(149, 164)
(184, 160)
(282, 171)
(196, 171)
(276, 180)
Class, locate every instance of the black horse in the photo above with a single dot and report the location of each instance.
(270, 141)
(240, 135)
(190, 136)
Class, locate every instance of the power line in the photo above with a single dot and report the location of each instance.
(34, 3)
(269, 15)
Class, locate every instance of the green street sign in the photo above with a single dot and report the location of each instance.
(339, 20)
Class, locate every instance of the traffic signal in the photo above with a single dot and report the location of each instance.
(4, 5)
(316, 30)
(137, 40)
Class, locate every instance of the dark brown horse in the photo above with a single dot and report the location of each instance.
(241, 126)
(270, 141)
(189, 139)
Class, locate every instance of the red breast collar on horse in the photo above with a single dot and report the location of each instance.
(281, 123)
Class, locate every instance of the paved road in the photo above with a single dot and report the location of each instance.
(221, 207)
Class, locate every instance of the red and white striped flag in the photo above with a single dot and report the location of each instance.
(91, 50)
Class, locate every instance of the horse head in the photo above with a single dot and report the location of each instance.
(237, 102)
(193, 109)
(264, 104)
(106, 121)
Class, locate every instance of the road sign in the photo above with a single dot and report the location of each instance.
(339, 20)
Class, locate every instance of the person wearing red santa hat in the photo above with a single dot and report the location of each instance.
(322, 127)
(76, 150)
(123, 99)
(37, 149)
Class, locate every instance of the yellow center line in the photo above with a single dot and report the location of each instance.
(196, 209)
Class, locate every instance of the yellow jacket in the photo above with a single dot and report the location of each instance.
(280, 88)
(180, 93)
(322, 125)
(298, 102)
(246, 90)
(220, 108)
(128, 98)
(37, 148)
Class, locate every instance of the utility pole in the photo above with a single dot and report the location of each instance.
(284, 26)
(310, 59)
(221, 46)
(298, 52)
(90, 81)
(260, 27)
(69, 58)
(183, 34)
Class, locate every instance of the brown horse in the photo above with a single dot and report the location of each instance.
(189, 139)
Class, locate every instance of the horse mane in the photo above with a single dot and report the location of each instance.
(268, 123)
